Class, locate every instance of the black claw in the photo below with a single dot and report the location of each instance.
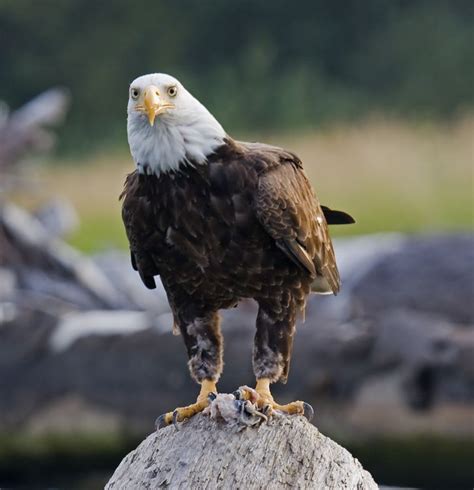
(308, 411)
(211, 396)
(160, 422)
(175, 419)
(237, 394)
(267, 410)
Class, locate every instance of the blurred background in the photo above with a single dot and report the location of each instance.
(376, 97)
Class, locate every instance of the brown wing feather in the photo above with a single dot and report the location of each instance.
(290, 213)
(134, 215)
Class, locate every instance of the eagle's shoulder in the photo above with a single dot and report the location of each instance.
(238, 166)
(260, 156)
(268, 157)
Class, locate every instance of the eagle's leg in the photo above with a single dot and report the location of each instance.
(203, 340)
(271, 358)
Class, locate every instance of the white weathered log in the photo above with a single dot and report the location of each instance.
(27, 129)
(46, 109)
(58, 217)
(287, 452)
(28, 236)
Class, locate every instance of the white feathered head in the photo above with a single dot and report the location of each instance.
(167, 127)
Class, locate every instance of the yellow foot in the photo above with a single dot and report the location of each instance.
(262, 397)
(206, 395)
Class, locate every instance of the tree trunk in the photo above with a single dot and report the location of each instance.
(286, 452)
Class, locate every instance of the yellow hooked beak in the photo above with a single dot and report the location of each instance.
(154, 104)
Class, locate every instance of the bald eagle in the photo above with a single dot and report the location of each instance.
(221, 220)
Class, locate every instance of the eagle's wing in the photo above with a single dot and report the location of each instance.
(135, 213)
(290, 213)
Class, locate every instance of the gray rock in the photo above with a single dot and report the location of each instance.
(432, 274)
(286, 453)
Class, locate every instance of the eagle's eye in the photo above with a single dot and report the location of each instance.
(172, 91)
(134, 93)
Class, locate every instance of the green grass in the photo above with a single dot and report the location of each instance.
(98, 233)
(390, 175)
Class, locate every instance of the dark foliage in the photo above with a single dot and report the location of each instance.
(255, 64)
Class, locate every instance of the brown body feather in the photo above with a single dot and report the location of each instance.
(245, 224)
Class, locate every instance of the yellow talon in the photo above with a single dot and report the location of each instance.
(264, 400)
(183, 413)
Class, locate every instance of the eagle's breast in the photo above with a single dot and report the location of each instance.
(197, 228)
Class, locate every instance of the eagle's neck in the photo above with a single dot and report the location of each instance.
(173, 143)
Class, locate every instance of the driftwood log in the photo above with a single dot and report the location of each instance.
(26, 245)
(287, 452)
(28, 129)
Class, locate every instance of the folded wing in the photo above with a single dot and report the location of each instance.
(290, 213)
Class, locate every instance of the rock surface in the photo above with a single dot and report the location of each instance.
(287, 452)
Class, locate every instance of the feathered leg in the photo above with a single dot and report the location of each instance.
(276, 323)
(203, 340)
